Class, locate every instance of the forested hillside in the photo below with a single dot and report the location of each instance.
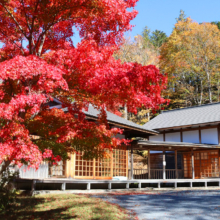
(189, 57)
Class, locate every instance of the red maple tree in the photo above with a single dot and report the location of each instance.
(38, 62)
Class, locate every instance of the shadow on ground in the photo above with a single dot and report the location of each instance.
(63, 206)
(197, 205)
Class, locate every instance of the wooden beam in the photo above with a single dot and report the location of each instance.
(164, 165)
(219, 162)
(94, 168)
(200, 136)
(176, 168)
(112, 156)
(132, 165)
(192, 161)
(148, 164)
(181, 135)
(164, 136)
(189, 127)
(219, 134)
(200, 165)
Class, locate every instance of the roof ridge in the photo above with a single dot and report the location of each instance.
(190, 107)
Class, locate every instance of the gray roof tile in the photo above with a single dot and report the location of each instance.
(117, 119)
(208, 113)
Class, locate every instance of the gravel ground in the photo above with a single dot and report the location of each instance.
(196, 204)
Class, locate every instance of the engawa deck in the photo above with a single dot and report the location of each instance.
(126, 183)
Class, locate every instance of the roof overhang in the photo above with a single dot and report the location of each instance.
(125, 126)
(170, 146)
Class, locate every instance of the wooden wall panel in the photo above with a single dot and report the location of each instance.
(106, 168)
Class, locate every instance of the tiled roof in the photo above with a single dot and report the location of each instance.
(196, 115)
(117, 119)
(112, 118)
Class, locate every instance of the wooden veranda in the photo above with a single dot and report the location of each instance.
(177, 160)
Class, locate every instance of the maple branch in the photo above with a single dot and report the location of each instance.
(16, 22)
(12, 41)
(26, 17)
(31, 40)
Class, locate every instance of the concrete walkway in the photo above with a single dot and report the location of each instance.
(185, 204)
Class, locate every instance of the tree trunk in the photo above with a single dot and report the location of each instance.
(3, 167)
(209, 87)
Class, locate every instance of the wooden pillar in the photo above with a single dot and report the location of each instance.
(181, 135)
(200, 137)
(148, 165)
(219, 134)
(112, 155)
(132, 165)
(164, 136)
(94, 168)
(33, 186)
(139, 185)
(193, 168)
(63, 186)
(88, 186)
(164, 165)
(200, 165)
(127, 185)
(176, 168)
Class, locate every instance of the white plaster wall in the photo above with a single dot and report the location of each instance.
(209, 136)
(158, 137)
(172, 137)
(191, 136)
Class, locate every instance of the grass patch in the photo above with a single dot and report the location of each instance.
(63, 206)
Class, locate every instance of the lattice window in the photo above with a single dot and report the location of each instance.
(103, 167)
(187, 165)
(209, 164)
(120, 162)
(83, 167)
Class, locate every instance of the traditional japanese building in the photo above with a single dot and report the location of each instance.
(183, 145)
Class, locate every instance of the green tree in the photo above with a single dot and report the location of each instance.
(157, 38)
(182, 16)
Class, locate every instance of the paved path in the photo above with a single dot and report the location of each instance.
(196, 205)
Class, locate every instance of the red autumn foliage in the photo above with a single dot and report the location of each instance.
(48, 66)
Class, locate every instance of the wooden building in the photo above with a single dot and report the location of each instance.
(181, 144)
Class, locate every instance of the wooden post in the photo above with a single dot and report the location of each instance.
(219, 162)
(219, 134)
(132, 165)
(88, 186)
(164, 165)
(181, 135)
(139, 185)
(63, 186)
(109, 186)
(176, 168)
(148, 164)
(193, 169)
(158, 184)
(112, 155)
(175, 185)
(200, 137)
(200, 165)
(127, 185)
(94, 168)
(33, 185)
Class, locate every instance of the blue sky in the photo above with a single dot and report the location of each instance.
(161, 14)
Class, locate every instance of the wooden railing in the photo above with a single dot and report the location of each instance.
(155, 174)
